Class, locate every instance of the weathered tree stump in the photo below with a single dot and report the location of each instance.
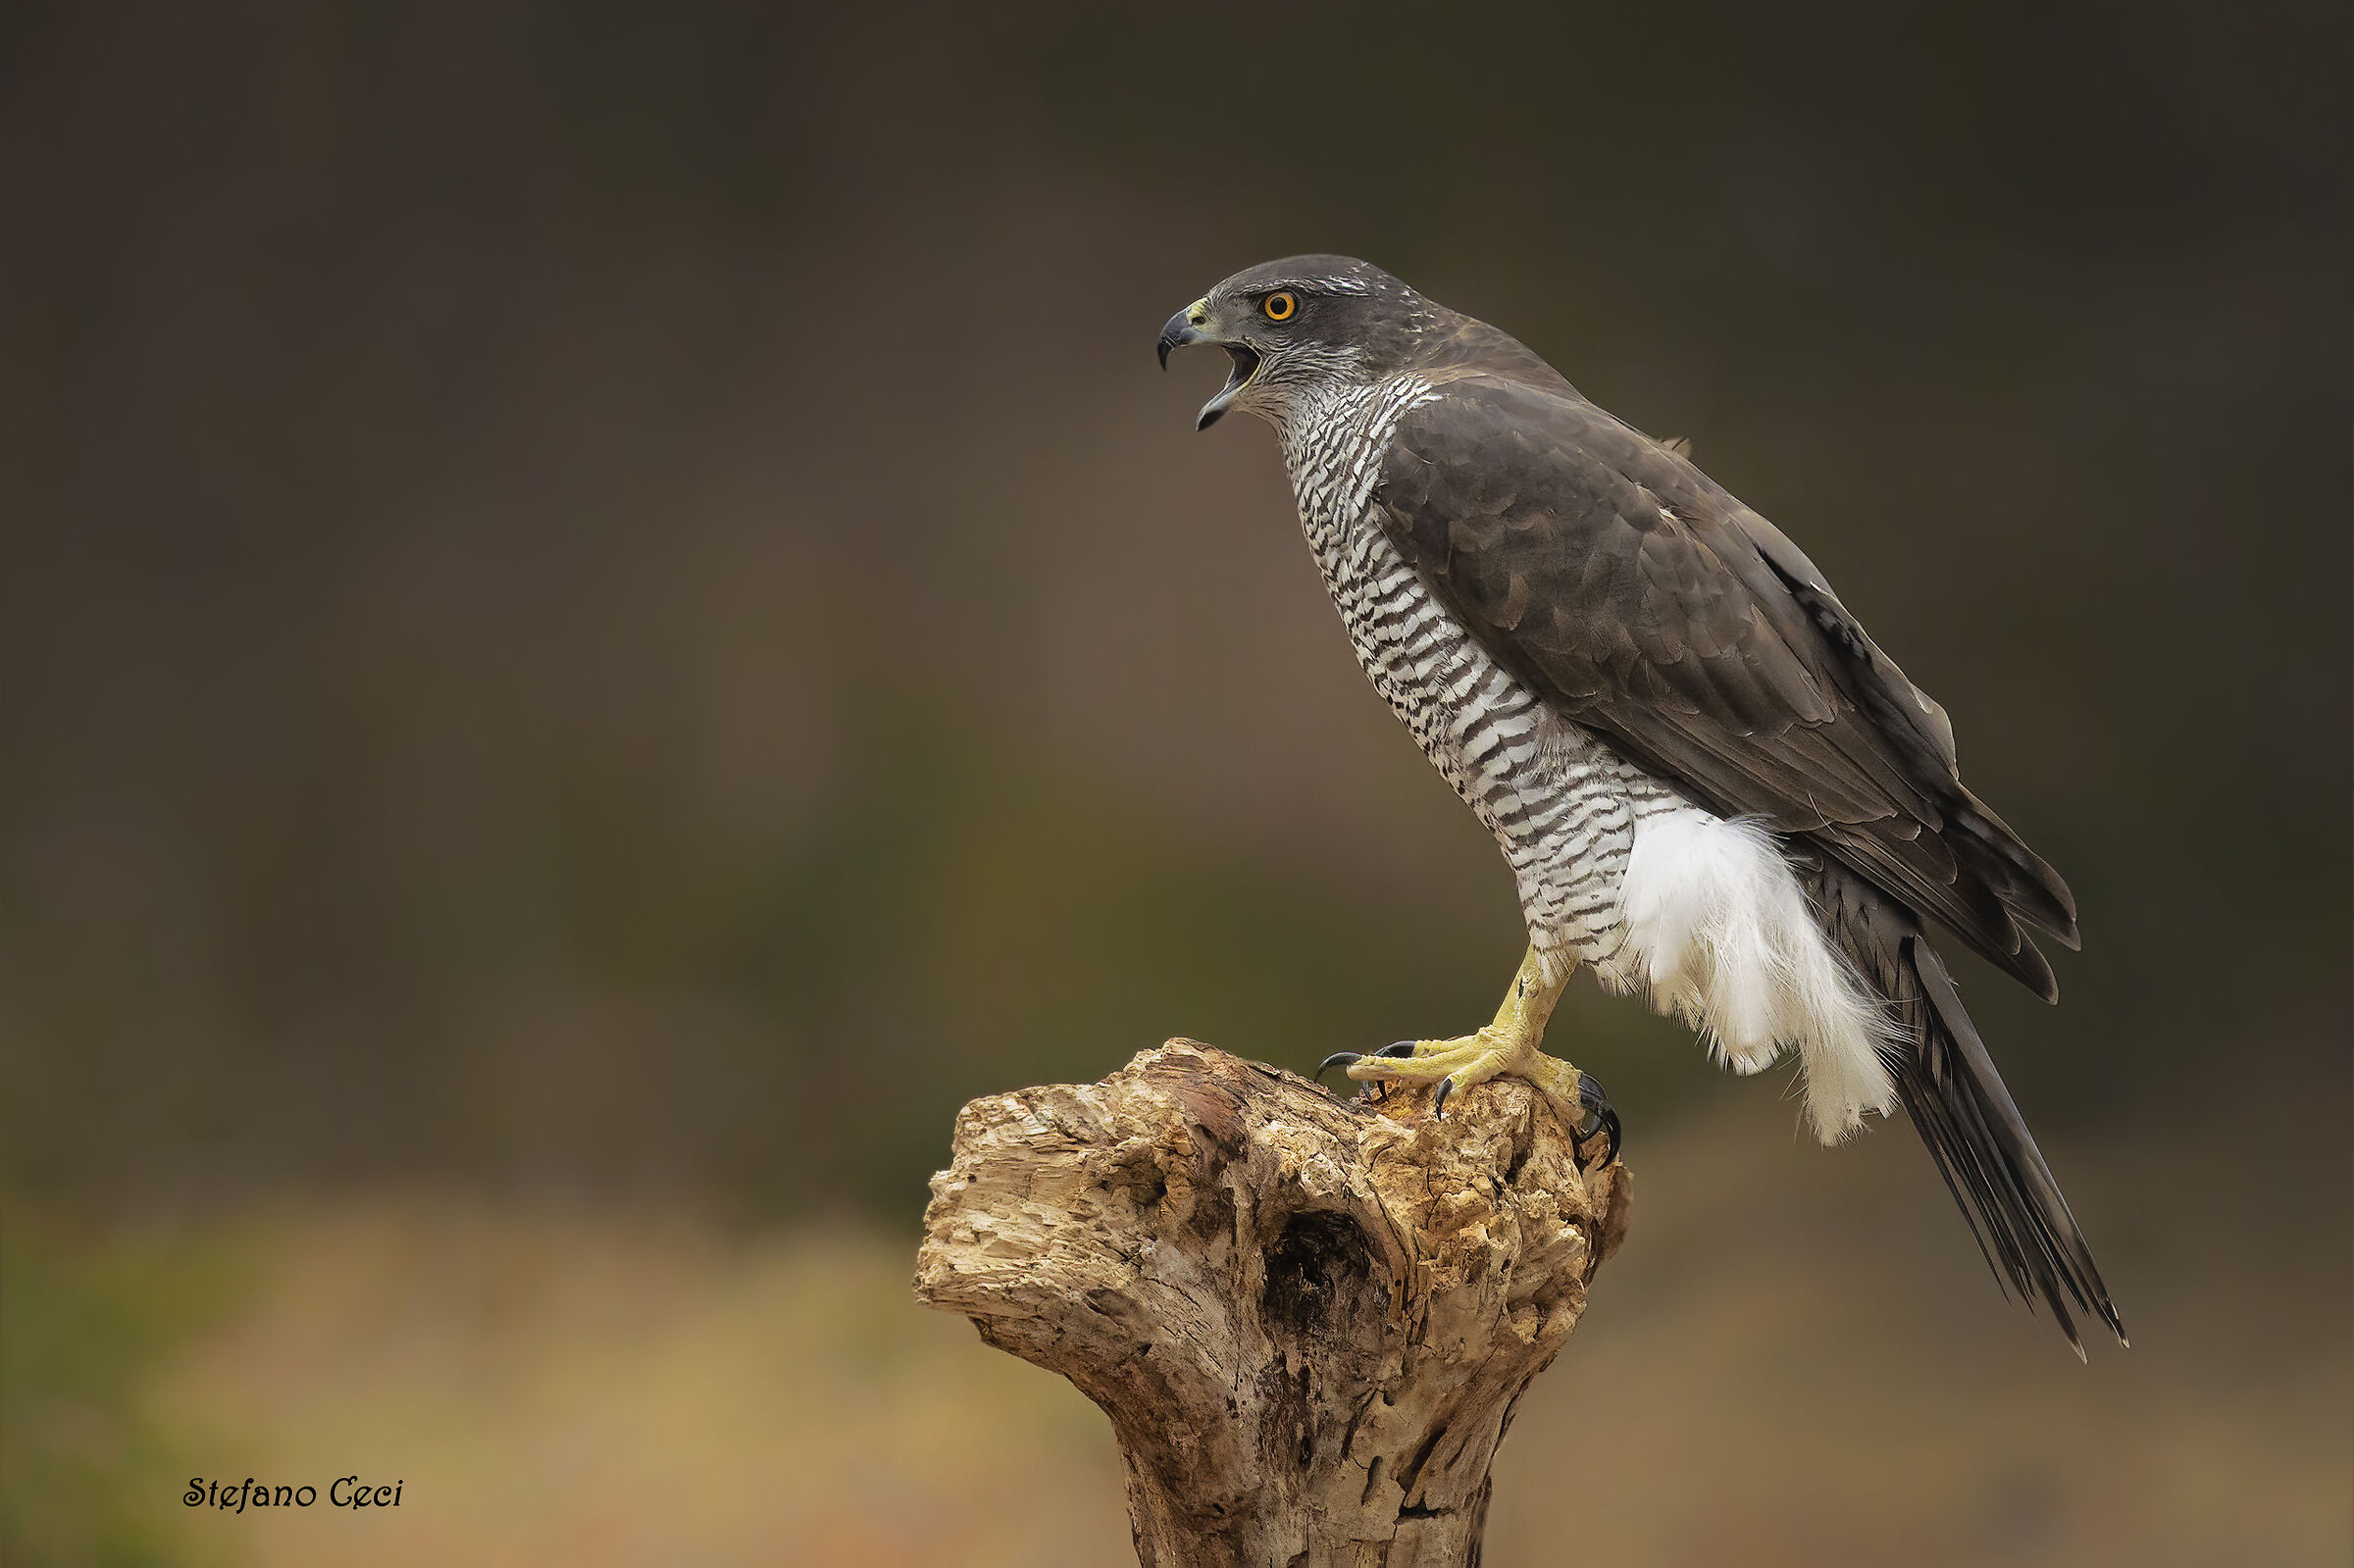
(1308, 1318)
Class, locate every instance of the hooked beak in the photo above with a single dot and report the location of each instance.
(1184, 331)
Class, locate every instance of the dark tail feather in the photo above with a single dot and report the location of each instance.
(1957, 1103)
(1988, 1159)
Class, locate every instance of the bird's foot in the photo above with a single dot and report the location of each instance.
(1456, 1065)
(1450, 1065)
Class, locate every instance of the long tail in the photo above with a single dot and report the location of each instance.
(1959, 1105)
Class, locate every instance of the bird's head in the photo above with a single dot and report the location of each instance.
(1300, 323)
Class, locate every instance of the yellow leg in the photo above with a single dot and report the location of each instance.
(1510, 1044)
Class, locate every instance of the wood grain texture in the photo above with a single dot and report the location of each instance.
(1308, 1319)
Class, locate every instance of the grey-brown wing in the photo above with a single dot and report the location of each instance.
(1644, 601)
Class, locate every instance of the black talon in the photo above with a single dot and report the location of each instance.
(1337, 1059)
(1403, 1047)
(1590, 1096)
(1438, 1106)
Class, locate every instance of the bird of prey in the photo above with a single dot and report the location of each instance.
(1710, 784)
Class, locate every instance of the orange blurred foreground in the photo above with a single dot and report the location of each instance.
(1798, 1358)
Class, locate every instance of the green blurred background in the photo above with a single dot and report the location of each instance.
(604, 618)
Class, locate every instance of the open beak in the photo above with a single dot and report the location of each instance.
(1184, 331)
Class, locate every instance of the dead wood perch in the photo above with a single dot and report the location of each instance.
(1307, 1319)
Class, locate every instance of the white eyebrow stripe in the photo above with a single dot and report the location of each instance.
(1313, 285)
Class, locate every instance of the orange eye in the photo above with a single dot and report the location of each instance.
(1280, 307)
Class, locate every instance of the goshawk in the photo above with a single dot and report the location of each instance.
(1709, 783)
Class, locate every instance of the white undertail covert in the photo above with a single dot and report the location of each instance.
(1719, 934)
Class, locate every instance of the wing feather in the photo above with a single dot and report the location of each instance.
(1640, 598)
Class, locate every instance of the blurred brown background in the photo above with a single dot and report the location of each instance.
(604, 616)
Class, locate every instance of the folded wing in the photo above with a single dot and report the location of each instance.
(1644, 601)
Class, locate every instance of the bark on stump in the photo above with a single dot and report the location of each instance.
(1308, 1318)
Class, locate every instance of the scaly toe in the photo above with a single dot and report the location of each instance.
(1427, 1062)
